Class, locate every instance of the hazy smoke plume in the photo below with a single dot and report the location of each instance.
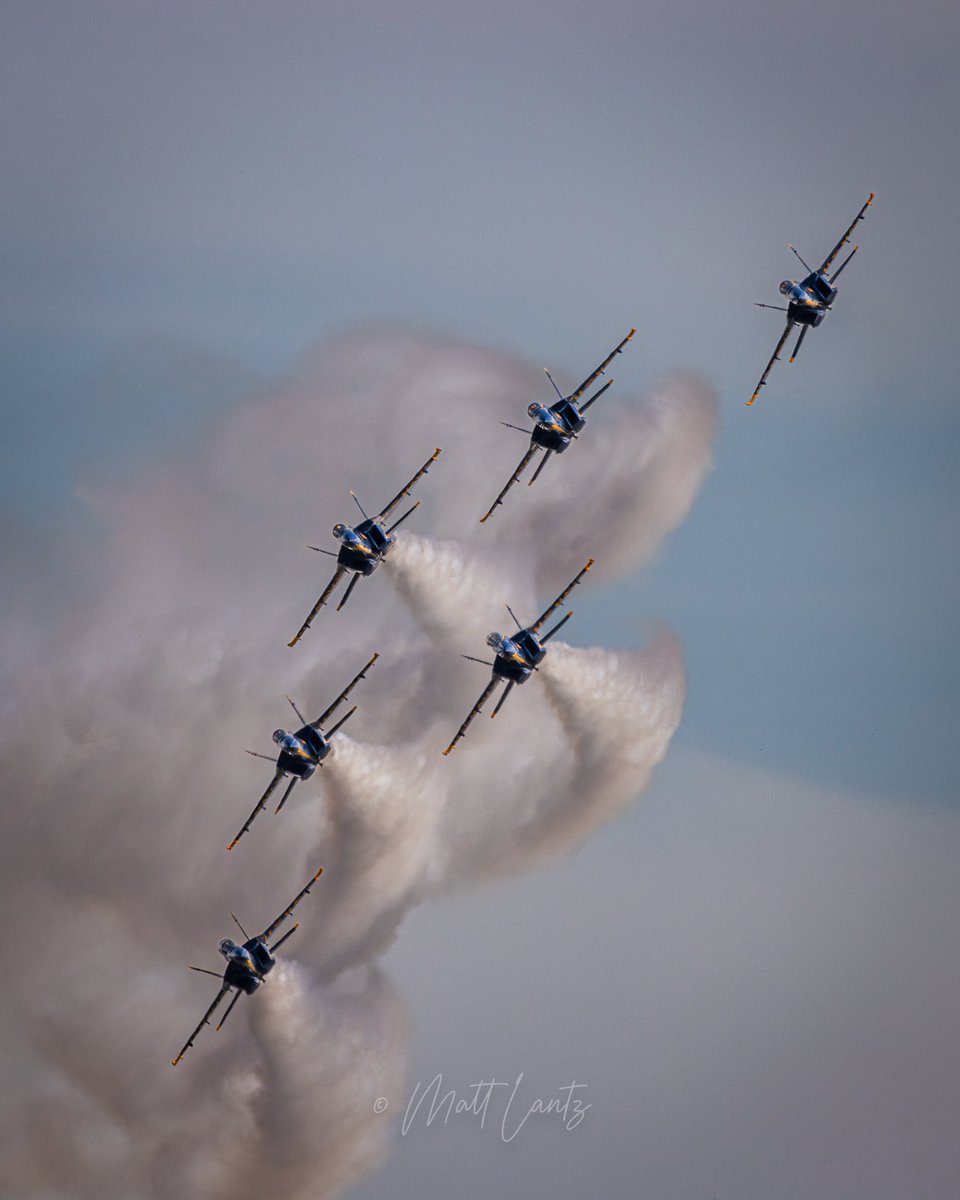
(125, 775)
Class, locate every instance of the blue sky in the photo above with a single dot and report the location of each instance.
(198, 198)
(194, 198)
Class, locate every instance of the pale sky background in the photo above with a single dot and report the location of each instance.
(755, 970)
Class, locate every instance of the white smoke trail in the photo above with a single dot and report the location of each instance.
(125, 774)
(327, 1053)
(449, 592)
(380, 849)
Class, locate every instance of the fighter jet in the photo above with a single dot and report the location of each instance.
(555, 427)
(809, 299)
(518, 655)
(247, 965)
(362, 548)
(302, 752)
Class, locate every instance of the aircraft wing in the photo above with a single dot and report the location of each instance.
(588, 382)
(474, 712)
(338, 575)
(271, 787)
(405, 491)
(560, 599)
(206, 1021)
(511, 481)
(271, 928)
(327, 712)
(775, 358)
(846, 237)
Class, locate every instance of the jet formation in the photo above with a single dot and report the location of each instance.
(302, 752)
(556, 426)
(363, 547)
(809, 299)
(517, 656)
(248, 965)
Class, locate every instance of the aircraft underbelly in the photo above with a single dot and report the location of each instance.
(356, 560)
(510, 669)
(549, 439)
(241, 977)
(804, 314)
(299, 767)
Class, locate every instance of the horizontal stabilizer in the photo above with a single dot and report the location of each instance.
(343, 720)
(556, 629)
(290, 932)
(286, 795)
(236, 997)
(346, 595)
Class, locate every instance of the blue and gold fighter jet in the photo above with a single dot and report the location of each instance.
(555, 427)
(247, 965)
(810, 299)
(518, 655)
(363, 548)
(302, 752)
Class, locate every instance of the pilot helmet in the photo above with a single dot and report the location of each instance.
(279, 735)
(339, 529)
(494, 639)
(786, 286)
(226, 946)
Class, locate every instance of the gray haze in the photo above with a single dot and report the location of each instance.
(220, 218)
(146, 696)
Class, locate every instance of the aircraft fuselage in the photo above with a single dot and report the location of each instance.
(518, 655)
(556, 426)
(247, 965)
(363, 548)
(301, 752)
(809, 299)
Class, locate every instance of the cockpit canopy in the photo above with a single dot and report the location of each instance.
(494, 639)
(786, 286)
(226, 946)
(279, 735)
(339, 529)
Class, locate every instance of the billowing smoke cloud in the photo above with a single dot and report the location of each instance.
(165, 659)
